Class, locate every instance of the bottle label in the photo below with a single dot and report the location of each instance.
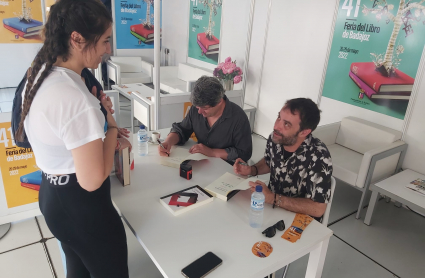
(142, 137)
(257, 204)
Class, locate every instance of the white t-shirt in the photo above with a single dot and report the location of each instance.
(63, 116)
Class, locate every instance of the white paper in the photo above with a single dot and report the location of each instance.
(178, 155)
(229, 182)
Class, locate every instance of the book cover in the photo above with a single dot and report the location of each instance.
(226, 186)
(417, 186)
(372, 94)
(31, 186)
(122, 161)
(20, 33)
(141, 38)
(141, 30)
(23, 26)
(209, 44)
(399, 82)
(186, 199)
(33, 178)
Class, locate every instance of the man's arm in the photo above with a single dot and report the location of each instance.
(184, 129)
(259, 168)
(297, 205)
(242, 141)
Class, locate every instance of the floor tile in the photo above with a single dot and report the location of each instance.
(44, 229)
(21, 233)
(29, 261)
(55, 256)
(139, 263)
(395, 238)
(342, 261)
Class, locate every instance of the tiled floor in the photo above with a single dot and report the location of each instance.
(393, 246)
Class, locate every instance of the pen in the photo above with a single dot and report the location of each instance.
(243, 163)
(159, 142)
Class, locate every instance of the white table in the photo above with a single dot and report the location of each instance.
(221, 227)
(394, 188)
(141, 97)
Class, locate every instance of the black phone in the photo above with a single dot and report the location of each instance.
(202, 266)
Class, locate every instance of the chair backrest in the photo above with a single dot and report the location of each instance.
(328, 207)
(188, 72)
(128, 64)
(361, 136)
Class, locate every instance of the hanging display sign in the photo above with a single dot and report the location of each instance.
(134, 24)
(204, 30)
(375, 53)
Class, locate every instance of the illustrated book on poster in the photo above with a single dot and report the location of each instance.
(226, 186)
(124, 162)
(31, 180)
(186, 199)
(178, 155)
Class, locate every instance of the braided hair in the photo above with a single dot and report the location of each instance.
(89, 18)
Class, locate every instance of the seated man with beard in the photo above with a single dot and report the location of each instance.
(299, 164)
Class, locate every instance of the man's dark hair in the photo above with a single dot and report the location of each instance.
(207, 91)
(308, 111)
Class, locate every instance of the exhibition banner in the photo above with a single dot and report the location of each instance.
(376, 49)
(134, 24)
(22, 21)
(204, 30)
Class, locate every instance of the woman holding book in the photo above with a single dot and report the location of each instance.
(65, 127)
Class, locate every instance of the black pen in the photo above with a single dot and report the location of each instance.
(159, 142)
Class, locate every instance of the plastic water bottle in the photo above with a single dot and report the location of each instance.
(257, 207)
(142, 141)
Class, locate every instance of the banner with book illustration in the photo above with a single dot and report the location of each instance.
(204, 30)
(21, 21)
(134, 24)
(376, 50)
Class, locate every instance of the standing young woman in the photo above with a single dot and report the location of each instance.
(65, 127)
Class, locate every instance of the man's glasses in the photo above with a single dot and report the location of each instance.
(271, 231)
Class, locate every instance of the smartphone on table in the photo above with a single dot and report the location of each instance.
(202, 266)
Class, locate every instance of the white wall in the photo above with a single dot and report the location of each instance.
(295, 55)
(415, 133)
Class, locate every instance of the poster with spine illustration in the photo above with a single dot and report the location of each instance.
(20, 178)
(376, 50)
(134, 24)
(204, 30)
(21, 21)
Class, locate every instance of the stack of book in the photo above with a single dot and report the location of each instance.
(22, 28)
(208, 45)
(398, 86)
(31, 180)
(124, 162)
(142, 33)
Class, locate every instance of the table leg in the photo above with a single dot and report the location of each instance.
(132, 116)
(371, 207)
(317, 260)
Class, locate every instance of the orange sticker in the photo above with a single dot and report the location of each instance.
(262, 249)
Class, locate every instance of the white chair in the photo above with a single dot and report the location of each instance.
(362, 152)
(325, 220)
(127, 70)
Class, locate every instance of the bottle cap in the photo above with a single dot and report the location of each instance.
(142, 126)
(258, 188)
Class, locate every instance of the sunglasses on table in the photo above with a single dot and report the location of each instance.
(271, 231)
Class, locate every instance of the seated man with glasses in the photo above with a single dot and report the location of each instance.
(221, 127)
(299, 164)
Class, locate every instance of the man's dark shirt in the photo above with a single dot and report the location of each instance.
(231, 132)
(305, 174)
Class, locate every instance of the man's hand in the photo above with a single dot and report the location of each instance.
(103, 99)
(201, 148)
(240, 169)
(124, 144)
(266, 191)
(167, 150)
(122, 132)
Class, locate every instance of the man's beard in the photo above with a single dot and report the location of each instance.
(285, 140)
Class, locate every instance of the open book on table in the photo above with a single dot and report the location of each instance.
(178, 155)
(226, 186)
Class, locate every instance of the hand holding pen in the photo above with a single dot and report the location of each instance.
(163, 148)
